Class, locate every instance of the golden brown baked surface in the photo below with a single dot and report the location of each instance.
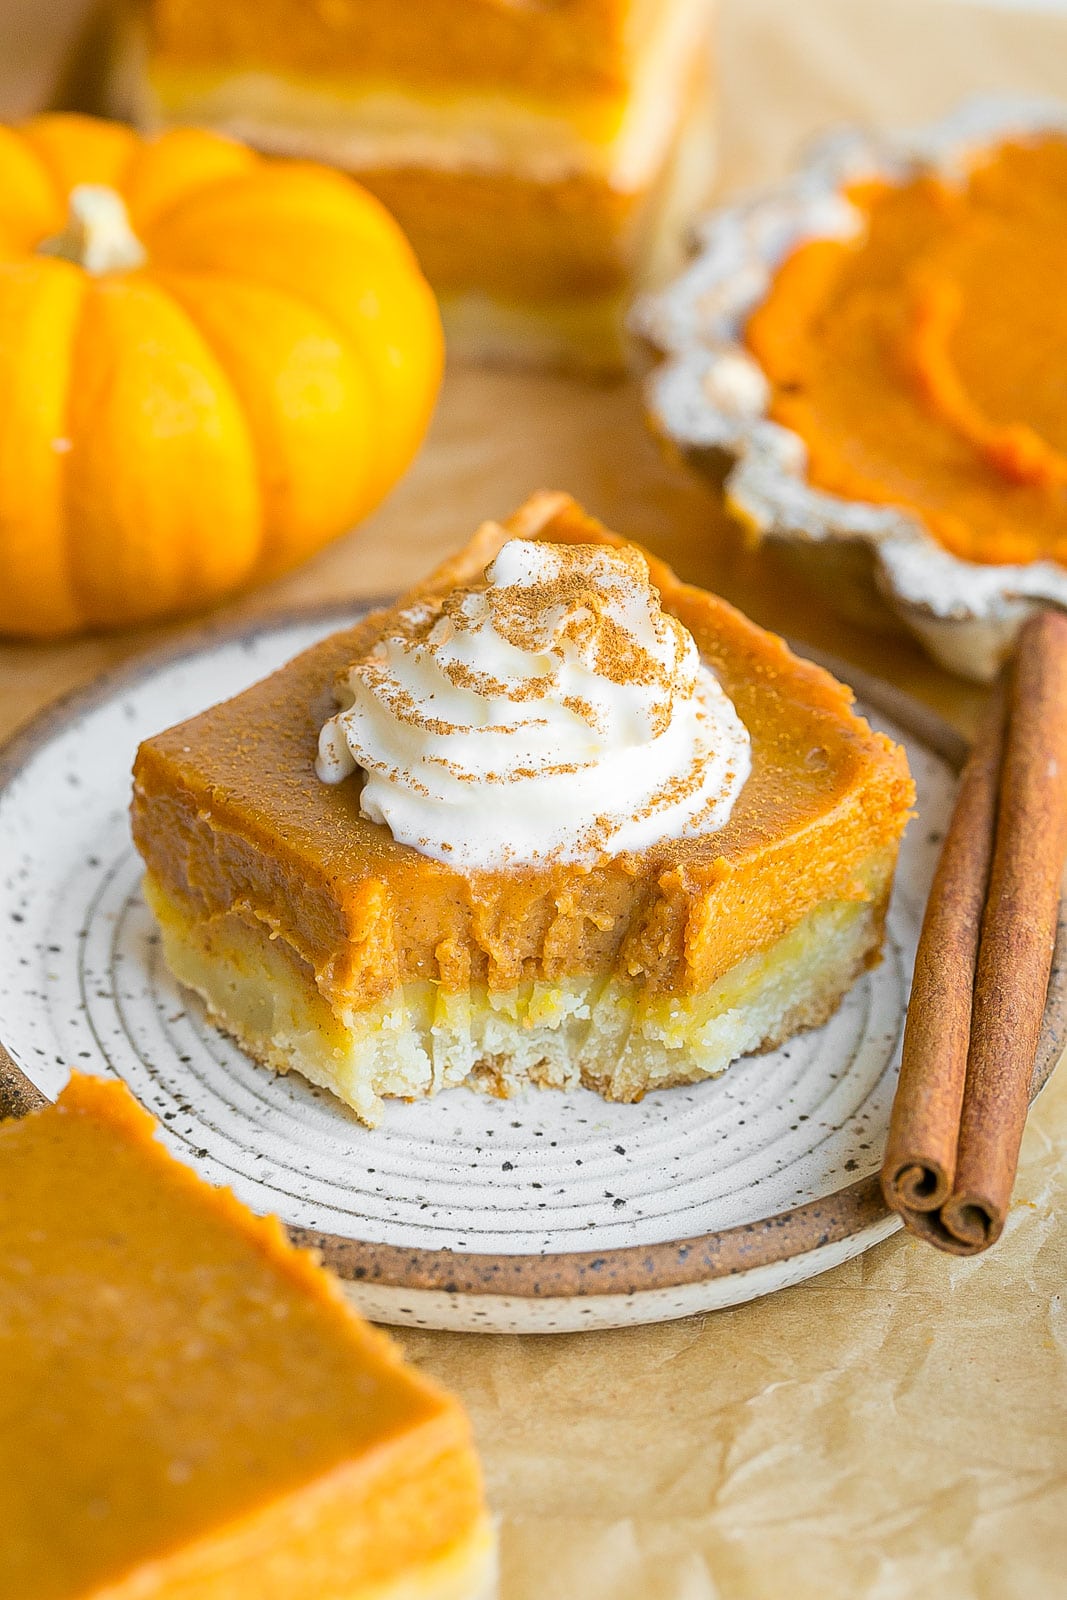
(230, 817)
(187, 1400)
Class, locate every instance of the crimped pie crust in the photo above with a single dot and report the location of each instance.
(709, 398)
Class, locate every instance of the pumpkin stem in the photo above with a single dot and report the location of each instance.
(98, 235)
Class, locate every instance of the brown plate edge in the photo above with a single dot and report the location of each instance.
(625, 1270)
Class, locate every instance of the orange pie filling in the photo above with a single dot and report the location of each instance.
(922, 360)
(191, 1409)
(541, 159)
(324, 944)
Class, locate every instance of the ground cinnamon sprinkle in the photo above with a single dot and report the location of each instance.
(541, 611)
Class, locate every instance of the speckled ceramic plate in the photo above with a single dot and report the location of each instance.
(546, 1212)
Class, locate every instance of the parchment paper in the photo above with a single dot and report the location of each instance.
(897, 1427)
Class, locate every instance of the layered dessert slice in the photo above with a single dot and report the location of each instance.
(574, 822)
(539, 158)
(191, 1410)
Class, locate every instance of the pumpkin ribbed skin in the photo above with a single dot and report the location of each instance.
(175, 430)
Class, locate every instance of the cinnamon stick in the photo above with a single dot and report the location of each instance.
(1018, 935)
(920, 1157)
(982, 974)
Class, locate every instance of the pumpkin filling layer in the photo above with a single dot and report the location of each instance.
(528, 151)
(212, 365)
(327, 946)
(922, 360)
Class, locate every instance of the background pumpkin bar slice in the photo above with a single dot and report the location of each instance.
(323, 944)
(536, 155)
(198, 339)
(188, 1407)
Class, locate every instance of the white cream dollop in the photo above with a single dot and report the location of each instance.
(553, 713)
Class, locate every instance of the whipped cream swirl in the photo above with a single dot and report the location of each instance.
(554, 712)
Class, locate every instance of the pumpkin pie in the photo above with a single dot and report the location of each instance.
(378, 966)
(893, 398)
(533, 154)
(191, 1410)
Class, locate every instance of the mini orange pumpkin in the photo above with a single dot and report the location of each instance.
(210, 365)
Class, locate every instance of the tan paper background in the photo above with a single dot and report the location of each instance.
(898, 1427)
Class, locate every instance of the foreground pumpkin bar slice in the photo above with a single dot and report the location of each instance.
(190, 1410)
(323, 944)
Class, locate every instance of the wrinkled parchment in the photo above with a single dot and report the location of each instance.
(898, 1427)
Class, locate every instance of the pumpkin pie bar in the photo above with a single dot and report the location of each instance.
(625, 886)
(536, 156)
(863, 357)
(191, 1410)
